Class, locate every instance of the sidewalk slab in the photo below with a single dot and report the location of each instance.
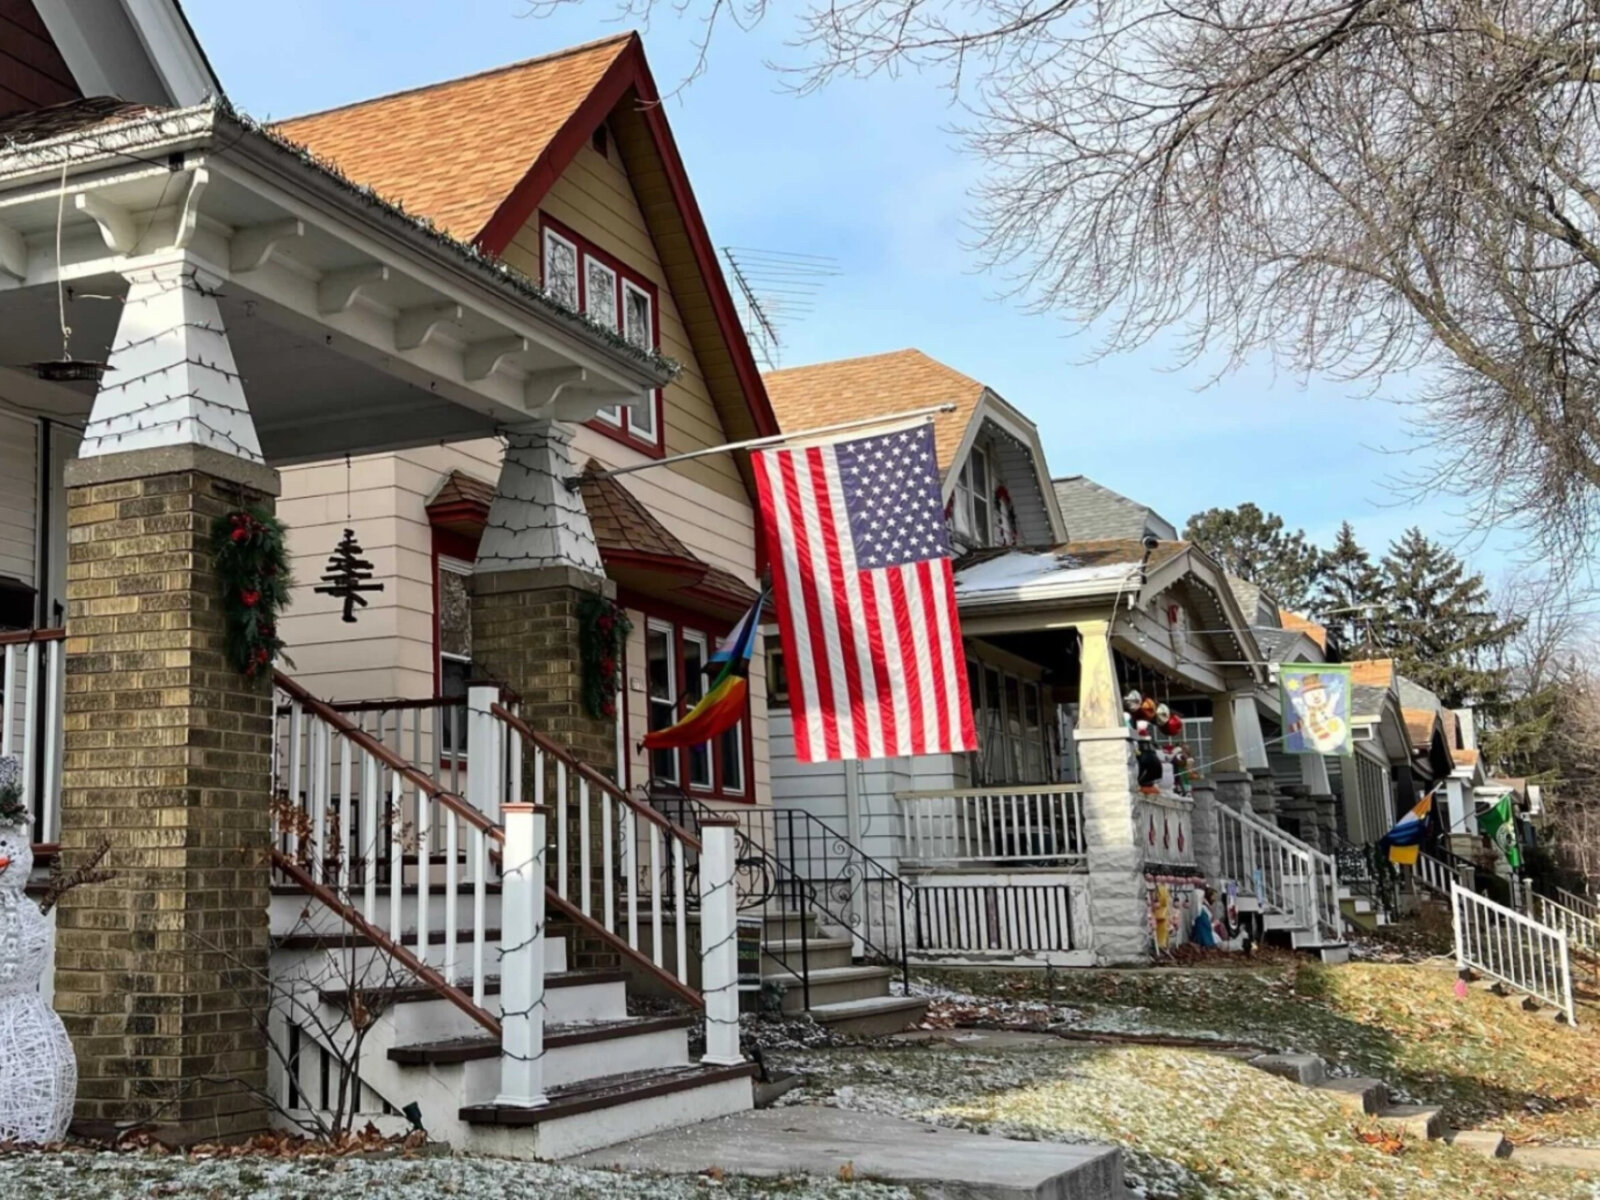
(944, 1164)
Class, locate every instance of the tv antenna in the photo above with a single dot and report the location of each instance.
(775, 289)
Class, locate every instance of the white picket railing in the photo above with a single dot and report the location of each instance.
(1288, 876)
(1582, 932)
(32, 702)
(1526, 954)
(1581, 905)
(1434, 875)
(1023, 823)
(378, 841)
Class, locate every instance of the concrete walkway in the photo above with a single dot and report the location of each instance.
(807, 1140)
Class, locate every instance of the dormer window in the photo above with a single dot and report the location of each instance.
(974, 505)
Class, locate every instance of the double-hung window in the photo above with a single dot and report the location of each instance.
(676, 657)
(614, 296)
(974, 503)
(1013, 742)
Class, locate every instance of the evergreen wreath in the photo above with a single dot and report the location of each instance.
(603, 629)
(253, 566)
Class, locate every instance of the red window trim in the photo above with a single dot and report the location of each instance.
(713, 630)
(653, 448)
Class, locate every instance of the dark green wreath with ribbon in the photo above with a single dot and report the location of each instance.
(603, 629)
(253, 568)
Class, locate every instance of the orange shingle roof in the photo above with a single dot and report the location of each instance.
(1317, 633)
(878, 385)
(622, 524)
(1419, 726)
(1465, 756)
(1373, 672)
(1110, 552)
(452, 152)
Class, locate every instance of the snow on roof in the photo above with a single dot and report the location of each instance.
(1040, 575)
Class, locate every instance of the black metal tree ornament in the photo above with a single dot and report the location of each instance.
(348, 574)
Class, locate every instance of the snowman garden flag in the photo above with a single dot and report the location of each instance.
(1316, 708)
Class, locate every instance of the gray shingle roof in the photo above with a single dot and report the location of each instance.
(1276, 642)
(1094, 512)
(1366, 700)
(1414, 695)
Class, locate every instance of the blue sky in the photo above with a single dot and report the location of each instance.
(867, 173)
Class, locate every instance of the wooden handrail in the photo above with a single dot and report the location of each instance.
(589, 774)
(22, 637)
(349, 706)
(326, 712)
(384, 942)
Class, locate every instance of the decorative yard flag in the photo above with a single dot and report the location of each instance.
(865, 596)
(1316, 708)
(1405, 839)
(722, 707)
(1498, 823)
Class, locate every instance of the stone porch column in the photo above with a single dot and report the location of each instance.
(1207, 834)
(1117, 905)
(537, 561)
(161, 973)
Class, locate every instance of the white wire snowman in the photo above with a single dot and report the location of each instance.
(38, 1073)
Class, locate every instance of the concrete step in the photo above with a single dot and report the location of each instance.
(573, 1053)
(1358, 1093)
(778, 1143)
(819, 953)
(1422, 1121)
(1490, 1143)
(871, 1017)
(1306, 1069)
(833, 985)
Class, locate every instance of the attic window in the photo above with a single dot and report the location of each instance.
(599, 140)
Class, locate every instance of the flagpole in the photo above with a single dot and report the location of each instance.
(572, 481)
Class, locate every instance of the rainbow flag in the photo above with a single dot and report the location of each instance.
(723, 705)
(1405, 839)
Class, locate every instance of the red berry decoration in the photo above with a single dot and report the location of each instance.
(249, 599)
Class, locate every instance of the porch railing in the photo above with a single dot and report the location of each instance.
(1164, 825)
(1024, 824)
(1435, 875)
(1287, 875)
(376, 840)
(1526, 954)
(1582, 932)
(32, 700)
(1581, 905)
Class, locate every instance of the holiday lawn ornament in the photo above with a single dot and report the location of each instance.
(347, 575)
(38, 1073)
(1149, 768)
(1132, 700)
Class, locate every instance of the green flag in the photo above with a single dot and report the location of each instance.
(1498, 824)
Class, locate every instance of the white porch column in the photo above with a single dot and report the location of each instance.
(170, 378)
(1314, 774)
(1117, 906)
(522, 920)
(719, 944)
(535, 522)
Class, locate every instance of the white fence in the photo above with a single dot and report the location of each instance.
(1582, 932)
(1006, 915)
(1526, 954)
(32, 674)
(1581, 905)
(1033, 824)
(1287, 875)
(1434, 875)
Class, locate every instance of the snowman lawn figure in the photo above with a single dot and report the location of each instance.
(38, 1073)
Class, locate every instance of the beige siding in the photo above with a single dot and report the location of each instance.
(19, 496)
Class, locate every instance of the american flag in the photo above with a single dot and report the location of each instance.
(865, 597)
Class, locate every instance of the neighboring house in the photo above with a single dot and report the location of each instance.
(565, 169)
(1019, 851)
(1093, 511)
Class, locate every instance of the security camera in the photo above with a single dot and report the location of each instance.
(1151, 541)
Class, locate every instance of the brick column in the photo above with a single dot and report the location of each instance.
(161, 972)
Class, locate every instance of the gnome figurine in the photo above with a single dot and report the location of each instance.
(38, 1073)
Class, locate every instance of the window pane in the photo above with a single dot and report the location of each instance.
(732, 755)
(561, 269)
(1014, 724)
(694, 687)
(638, 328)
(994, 733)
(663, 695)
(1033, 743)
(455, 614)
(600, 293)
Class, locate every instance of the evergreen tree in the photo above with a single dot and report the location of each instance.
(1255, 546)
(1440, 626)
(1349, 593)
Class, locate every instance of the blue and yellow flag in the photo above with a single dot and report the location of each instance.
(1405, 839)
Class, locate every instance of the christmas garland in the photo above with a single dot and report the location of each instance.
(603, 629)
(1008, 516)
(253, 566)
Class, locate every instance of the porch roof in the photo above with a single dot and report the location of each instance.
(378, 330)
(1031, 575)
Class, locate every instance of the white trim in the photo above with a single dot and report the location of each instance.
(657, 625)
(644, 431)
(698, 638)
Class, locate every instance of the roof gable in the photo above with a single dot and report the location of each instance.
(878, 385)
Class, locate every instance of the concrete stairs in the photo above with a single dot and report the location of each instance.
(816, 972)
(609, 1076)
